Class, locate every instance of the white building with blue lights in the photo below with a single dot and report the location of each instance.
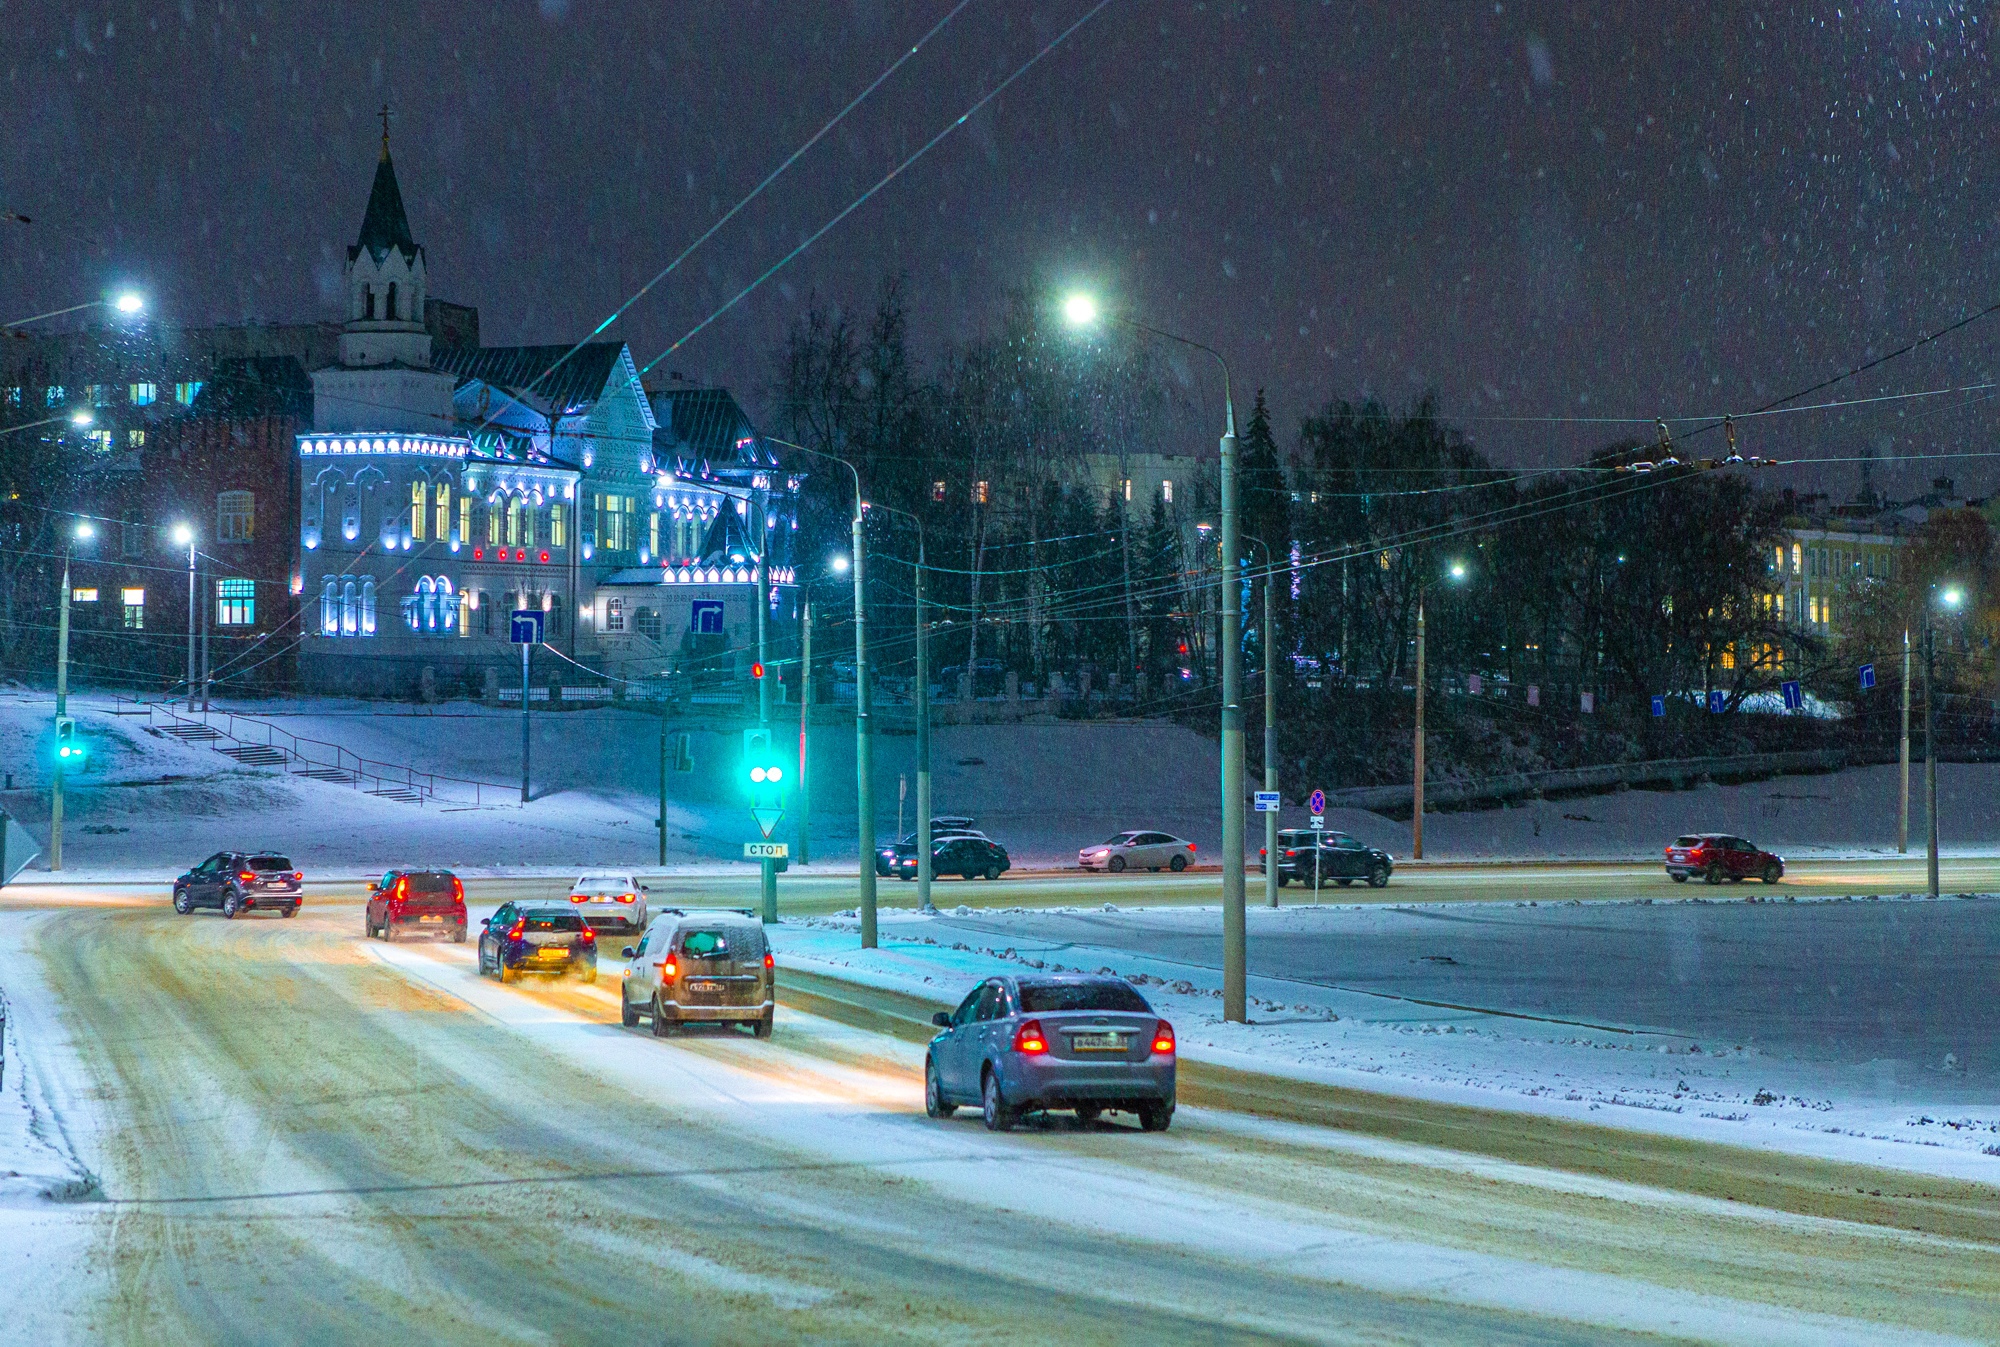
(441, 490)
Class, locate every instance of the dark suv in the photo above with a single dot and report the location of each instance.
(1719, 856)
(241, 881)
(1321, 858)
(967, 855)
(424, 902)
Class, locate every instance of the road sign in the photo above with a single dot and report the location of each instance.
(767, 818)
(1316, 802)
(766, 851)
(1795, 697)
(1587, 703)
(1867, 677)
(1659, 706)
(1474, 684)
(1318, 822)
(1717, 700)
(524, 626)
(706, 617)
(1534, 694)
(1268, 801)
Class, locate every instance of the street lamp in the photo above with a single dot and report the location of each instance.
(923, 710)
(1949, 597)
(864, 746)
(183, 536)
(1270, 728)
(1081, 310)
(127, 302)
(838, 566)
(1456, 570)
(83, 531)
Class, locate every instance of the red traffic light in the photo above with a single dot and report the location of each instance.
(756, 669)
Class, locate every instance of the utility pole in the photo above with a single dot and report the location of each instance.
(663, 783)
(1417, 817)
(767, 867)
(1930, 753)
(185, 534)
(805, 724)
(923, 740)
(1235, 940)
(864, 747)
(1903, 757)
(82, 530)
(205, 597)
(1270, 735)
(525, 648)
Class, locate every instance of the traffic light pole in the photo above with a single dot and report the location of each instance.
(663, 783)
(805, 723)
(62, 710)
(864, 742)
(525, 648)
(767, 867)
(923, 739)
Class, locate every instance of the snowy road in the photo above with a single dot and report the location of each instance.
(303, 1136)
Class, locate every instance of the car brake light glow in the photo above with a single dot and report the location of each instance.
(589, 937)
(514, 931)
(246, 875)
(1290, 852)
(402, 886)
(457, 889)
(579, 898)
(298, 876)
(1163, 1039)
(1191, 848)
(669, 969)
(769, 963)
(628, 897)
(1028, 1039)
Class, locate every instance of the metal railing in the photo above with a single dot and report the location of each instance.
(365, 774)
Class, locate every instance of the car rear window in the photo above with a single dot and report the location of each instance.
(430, 881)
(1689, 841)
(551, 921)
(1048, 998)
(723, 942)
(270, 863)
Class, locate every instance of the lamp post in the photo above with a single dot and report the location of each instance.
(1081, 311)
(1903, 757)
(83, 532)
(1950, 598)
(183, 536)
(127, 302)
(864, 747)
(1457, 572)
(922, 698)
(1270, 731)
(767, 867)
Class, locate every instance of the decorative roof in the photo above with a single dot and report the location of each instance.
(385, 225)
(519, 370)
(706, 426)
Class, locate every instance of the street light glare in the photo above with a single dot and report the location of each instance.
(839, 565)
(1458, 570)
(80, 418)
(183, 535)
(84, 530)
(131, 301)
(1079, 310)
(1952, 597)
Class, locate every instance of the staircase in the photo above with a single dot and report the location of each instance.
(402, 793)
(191, 733)
(338, 776)
(256, 755)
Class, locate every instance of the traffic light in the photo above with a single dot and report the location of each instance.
(70, 751)
(763, 769)
(756, 668)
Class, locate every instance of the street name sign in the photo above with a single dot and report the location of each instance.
(766, 851)
(1268, 801)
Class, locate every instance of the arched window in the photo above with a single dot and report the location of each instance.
(369, 290)
(350, 612)
(391, 314)
(367, 607)
(447, 604)
(235, 516)
(329, 610)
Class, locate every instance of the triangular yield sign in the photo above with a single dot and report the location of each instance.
(767, 819)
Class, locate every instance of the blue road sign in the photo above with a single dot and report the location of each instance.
(1659, 706)
(1267, 801)
(1316, 802)
(706, 620)
(1717, 700)
(525, 626)
(1795, 697)
(1867, 677)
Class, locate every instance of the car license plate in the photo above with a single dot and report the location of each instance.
(704, 986)
(552, 952)
(431, 919)
(1097, 1042)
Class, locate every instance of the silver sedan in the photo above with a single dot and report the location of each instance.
(1138, 850)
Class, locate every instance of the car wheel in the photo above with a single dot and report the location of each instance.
(1378, 878)
(934, 1104)
(1116, 865)
(906, 878)
(1678, 878)
(993, 872)
(1343, 882)
(1086, 1114)
(1155, 1117)
(590, 975)
(182, 903)
(292, 911)
(998, 1115)
(458, 936)
(1773, 873)
(1713, 875)
(762, 1028)
(1283, 880)
(1177, 864)
(508, 974)
(662, 1026)
(626, 1015)
(231, 905)
(386, 930)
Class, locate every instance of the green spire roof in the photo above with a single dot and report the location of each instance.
(385, 226)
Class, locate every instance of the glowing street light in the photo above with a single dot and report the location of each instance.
(130, 301)
(1079, 310)
(84, 530)
(1458, 570)
(838, 565)
(81, 419)
(1952, 597)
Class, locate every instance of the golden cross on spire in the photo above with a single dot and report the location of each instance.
(385, 130)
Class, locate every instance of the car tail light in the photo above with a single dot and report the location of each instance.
(1289, 852)
(579, 898)
(1163, 1039)
(1261, 853)
(457, 889)
(769, 963)
(515, 931)
(669, 969)
(589, 937)
(298, 877)
(1191, 848)
(246, 875)
(1029, 1040)
(402, 887)
(628, 897)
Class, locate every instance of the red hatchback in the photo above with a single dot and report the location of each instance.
(1718, 856)
(422, 902)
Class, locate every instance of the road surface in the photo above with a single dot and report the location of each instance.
(299, 1135)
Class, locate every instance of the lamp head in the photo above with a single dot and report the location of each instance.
(82, 418)
(1458, 570)
(183, 535)
(1951, 597)
(838, 565)
(129, 301)
(1079, 309)
(84, 530)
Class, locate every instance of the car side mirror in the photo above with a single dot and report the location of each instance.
(942, 1019)
(645, 888)
(486, 921)
(627, 953)
(373, 886)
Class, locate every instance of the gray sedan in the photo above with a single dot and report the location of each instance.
(1133, 850)
(1062, 1041)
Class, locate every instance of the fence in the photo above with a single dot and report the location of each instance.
(1676, 771)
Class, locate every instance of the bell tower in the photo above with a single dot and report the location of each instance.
(385, 280)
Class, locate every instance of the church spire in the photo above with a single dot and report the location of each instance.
(385, 225)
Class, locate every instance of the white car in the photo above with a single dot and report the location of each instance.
(610, 902)
(1133, 850)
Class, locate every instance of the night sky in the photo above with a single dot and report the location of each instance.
(1540, 210)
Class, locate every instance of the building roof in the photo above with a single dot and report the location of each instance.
(258, 385)
(571, 388)
(707, 426)
(385, 225)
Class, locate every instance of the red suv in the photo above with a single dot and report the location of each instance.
(428, 902)
(1718, 856)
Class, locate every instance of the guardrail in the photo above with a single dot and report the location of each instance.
(342, 765)
(1513, 785)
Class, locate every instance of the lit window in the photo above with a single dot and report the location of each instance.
(614, 614)
(135, 439)
(652, 537)
(83, 596)
(419, 508)
(185, 393)
(1797, 554)
(235, 516)
(937, 490)
(100, 438)
(1126, 484)
(56, 395)
(135, 609)
(97, 395)
(465, 519)
(979, 493)
(235, 602)
(558, 527)
(144, 395)
(1167, 492)
(14, 396)
(441, 493)
(495, 517)
(514, 522)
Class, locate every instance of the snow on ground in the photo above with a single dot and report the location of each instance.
(1725, 1091)
(147, 804)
